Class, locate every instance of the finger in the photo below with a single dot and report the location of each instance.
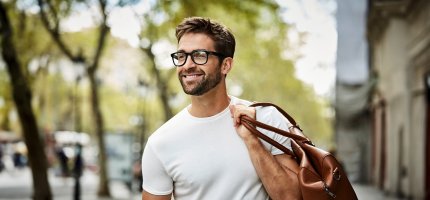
(233, 112)
(240, 110)
(245, 110)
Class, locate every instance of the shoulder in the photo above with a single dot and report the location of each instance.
(236, 101)
(165, 131)
(268, 112)
(263, 113)
(270, 115)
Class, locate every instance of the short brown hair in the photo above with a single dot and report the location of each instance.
(220, 34)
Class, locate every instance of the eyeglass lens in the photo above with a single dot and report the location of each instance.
(198, 57)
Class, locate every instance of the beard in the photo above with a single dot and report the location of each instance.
(207, 83)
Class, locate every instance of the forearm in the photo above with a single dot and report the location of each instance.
(275, 172)
(272, 174)
(149, 196)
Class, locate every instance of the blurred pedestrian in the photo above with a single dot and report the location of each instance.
(2, 166)
(137, 173)
(64, 161)
(78, 169)
(18, 159)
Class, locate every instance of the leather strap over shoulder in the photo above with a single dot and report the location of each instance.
(251, 125)
(256, 123)
(283, 112)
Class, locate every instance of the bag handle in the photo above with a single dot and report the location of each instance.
(297, 137)
(283, 112)
(251, 125)
(254, 130)
(253, 122)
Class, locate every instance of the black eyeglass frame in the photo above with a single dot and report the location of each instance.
(220, 55)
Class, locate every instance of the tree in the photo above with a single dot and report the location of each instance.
(52, 12)
(6, 103)
(22, 98)
(175, 11)
(260, 71)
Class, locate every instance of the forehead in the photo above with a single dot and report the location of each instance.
(193, 41)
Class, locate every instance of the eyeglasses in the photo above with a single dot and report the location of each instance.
(198, 56)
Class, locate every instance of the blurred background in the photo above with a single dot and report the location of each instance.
(83, 84)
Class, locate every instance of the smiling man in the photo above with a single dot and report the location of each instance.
(204, 152)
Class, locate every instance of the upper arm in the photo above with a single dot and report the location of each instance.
(149, 196)
(155, 179)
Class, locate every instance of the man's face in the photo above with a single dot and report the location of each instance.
(198, 79)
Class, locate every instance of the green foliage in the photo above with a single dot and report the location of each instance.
(54, 102)
(82, 42)
(31, 41)
(259, 69)
(5, 100)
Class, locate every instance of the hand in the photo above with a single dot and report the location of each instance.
(236, 112)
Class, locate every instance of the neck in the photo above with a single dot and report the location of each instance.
(209, 104)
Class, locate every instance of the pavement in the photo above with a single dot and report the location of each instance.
(16, 184)
(368, 192)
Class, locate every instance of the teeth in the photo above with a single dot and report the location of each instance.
(194, 75)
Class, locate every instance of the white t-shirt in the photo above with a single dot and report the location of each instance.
(204, 158)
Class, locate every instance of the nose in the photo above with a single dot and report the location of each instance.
(189, 63)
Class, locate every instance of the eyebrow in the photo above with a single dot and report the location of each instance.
(183, 51)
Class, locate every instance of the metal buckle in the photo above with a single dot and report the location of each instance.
(326, 189)
(336, 174)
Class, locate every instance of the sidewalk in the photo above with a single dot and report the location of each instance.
(17, 185)
(367, 192)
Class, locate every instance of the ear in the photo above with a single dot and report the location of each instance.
(227, 65)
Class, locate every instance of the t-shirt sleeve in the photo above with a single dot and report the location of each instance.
(272, 117)
(155, 179)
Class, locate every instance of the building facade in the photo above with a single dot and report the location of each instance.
(398, 33)
(353, 87)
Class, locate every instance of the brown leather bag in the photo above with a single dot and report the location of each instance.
(320, 175)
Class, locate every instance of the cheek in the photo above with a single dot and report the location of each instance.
(178, 71)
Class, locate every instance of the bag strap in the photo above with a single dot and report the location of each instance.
(251, 125)
(283, 112)
(254, 130)
(253, 122)
(291, 119)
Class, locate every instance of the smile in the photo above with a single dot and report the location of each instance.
(191, 75)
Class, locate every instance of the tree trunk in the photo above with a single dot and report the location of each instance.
(22, 98)
(77, 108)
(161, 85)
(103, 190)
(91, 68)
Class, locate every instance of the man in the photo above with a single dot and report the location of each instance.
(204, 152)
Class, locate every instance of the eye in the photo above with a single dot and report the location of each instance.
(199, 55)
(179, 56)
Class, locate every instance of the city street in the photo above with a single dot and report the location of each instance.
(366, 192)
(16, 185)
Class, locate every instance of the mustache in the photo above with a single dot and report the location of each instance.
(191, 71)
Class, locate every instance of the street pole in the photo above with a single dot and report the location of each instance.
(78, 164)
(77, 172)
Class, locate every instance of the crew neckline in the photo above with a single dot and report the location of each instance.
(233, 100)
